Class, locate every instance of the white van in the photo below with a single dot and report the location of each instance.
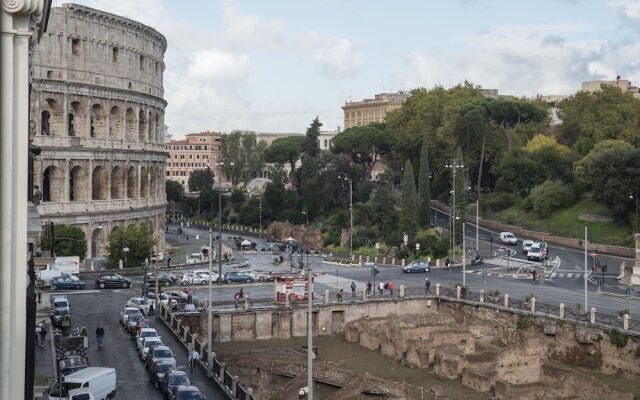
(508, 238)
(100, 381)
(61, 265)
(80, 394)
(194, 258)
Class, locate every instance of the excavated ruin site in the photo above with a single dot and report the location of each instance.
(451, 351)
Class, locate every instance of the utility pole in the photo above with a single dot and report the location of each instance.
(464, 256)
(478, 226)
(260, 232)
(310, 353)
(209, 303)
(586, 297)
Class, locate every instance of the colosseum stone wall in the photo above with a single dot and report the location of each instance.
(97, 102)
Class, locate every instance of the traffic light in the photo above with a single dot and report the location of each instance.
(374, 270)
(603, 268)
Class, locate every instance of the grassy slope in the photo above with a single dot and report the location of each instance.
(565, 222)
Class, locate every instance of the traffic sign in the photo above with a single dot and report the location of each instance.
(500, 248)
(594, 254)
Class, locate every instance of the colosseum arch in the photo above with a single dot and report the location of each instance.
(99, 184)
(153, 182)
(132, 182)
(117, 183)
(51, 180)
(98, 124)
(77, 184)
(144, 182)
(142, 126)
(50, 117)
(131, 124)
(157, 130)
(115, 128)
(76, 119)
(152, 127)
(97, 243)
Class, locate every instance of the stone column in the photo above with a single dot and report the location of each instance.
(593, 315)
(561, 312)
(481, 295)
(533, 305)
(64, 132)
(402, 293)
(625, 322)
(437, 290)
(635, 276)
(506, 301)
(458, 292)
(326, 296)
(89, 168)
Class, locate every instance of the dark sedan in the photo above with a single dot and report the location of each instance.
(171, 380)
(112, 280)
(186, 393)
(157, 371)
(65, 282)
(164, 279)
(236, 276)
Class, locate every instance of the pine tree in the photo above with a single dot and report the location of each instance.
(312, 144)
(409, 202)
(424, 212)
(462, 200)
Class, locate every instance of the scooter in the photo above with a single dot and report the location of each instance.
(477, 260)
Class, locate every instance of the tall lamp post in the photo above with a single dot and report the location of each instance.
(220, 165)
(310, 353)
(209, 327)
(634, 196)
(454, 164)
(345, 176)
(125, 250)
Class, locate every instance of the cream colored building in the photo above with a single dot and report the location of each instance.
(98, 108)
(367, 111)
(622, 84)
(196, 152)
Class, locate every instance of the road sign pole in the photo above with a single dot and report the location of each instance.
(586, 292)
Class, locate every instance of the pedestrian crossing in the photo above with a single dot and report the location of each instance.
(569, 275)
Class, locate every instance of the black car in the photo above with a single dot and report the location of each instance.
(186, 393)
(112, 280)
(171, 380)
(164, 279)
(157, 371)
(61, 317)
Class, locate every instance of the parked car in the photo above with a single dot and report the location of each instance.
(417, 266)
(140, 303)
(143, 334)
(237, 276)
(135, 322)
(526, 245)
(159, 353)
(60, 302)
(164, 279)
(157, 371)
(186, 393)
(192, 278)
(508, 238)
(102, 382)
(112, 280)
(126, 312)
(163, 298)
(205, 274)
(66, 282)
(61, 317)
(147, 345)
(171, 380)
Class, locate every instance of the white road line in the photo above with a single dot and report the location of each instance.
(569, 275)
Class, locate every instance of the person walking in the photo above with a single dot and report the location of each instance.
(535, 275)
(391, 288)
(99, 335)
(339, 295)
(353, 289)
(193, 359)
(43, 335)
(427, 286)
(381, 288)
(369, 286)
(236, 297)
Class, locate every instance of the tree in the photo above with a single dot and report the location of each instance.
(312, 144)
(409, 202)
(137, 238)
(237, 198)
(242, 155)
(364, 144)
(617, 179)
(590, 117)
(69, 240)
(517, 174)
(286, 149)
(424, 186)
(175, 191)
(277, 173)
(383, 206)
(200, 179)
(583, 169)
(511, 114)
(461, 199)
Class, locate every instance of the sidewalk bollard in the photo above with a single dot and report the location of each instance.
(481, 295)
(437, 290)
(353, 257)
(506, 301)
(360, 260)
(402, 294)
(326, 296)
(403, 261)
(234, 386)
(223, 367)
(93, 267)
(384, 260)
(367, 258)
(458, 292)
(437, 263)
(364, 294)
(561, 313)
(593, 315)
(625, 322)
(393, 261)
(533, 305)
(247, 302)
(120, 264)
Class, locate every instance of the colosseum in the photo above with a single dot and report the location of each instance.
(97, 102)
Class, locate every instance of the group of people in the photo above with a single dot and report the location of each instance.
(383, 287)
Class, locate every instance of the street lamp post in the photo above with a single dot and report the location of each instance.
(310, 334)
(635, 197)
(346, 177)
(220, 164)
(260, 231)
(209, 327)
(125, 250)
(454, 164)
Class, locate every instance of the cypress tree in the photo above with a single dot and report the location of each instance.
(409, 202)
(424, 212)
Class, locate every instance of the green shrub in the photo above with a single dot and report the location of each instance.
(523, 322)
(529, 297)
(497, 201)
(618, 338)
(624, 311)
(549, 196)
(403, 253)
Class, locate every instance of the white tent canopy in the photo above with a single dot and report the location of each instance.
(290, 239)
(245, 243)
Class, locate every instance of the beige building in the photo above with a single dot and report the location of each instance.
(98, 108)
(196, 152)
(367, 111)
(622, 84)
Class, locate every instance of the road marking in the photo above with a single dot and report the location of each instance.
(569, 275)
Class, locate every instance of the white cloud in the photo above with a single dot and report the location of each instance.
(627, 9)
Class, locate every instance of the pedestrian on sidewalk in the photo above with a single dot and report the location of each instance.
(381, 288)
(353, 289)
(369, 286)
(391, 288)
(99, 335)
(43, 335)
(236, 298)
(193, 359)
(427, 286)
(535, 275)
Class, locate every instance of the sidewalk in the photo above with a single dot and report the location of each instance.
(44, 359)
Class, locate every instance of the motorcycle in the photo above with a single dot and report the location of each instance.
(477, 260)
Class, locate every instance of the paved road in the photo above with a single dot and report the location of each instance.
(90, 307)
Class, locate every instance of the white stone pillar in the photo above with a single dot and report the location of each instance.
(437, 290)
(593, 315)
(625, 322)
(402, 291)
(506, 301)
(533, 305)
(481, 295)
(403, 261)
(15, 36)
(326, 296)
(561, 312)
(458, 292)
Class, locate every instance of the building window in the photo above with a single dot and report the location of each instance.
(141, 62)
(167, 173)
(157, 63)
(197, 156)
(325, 143)
(206, 157)
(175, 156)
(49, 74)
(75, 47)
(190, 156)
(114, 55)
(182, 156)
(130, 85)
(205, 147)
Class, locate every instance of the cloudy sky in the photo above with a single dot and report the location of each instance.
(273, 65)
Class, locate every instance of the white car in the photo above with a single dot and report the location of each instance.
(140, 303)
(508, 238)
(205, 274)
(143, 334)
(191, 278)
(526, 245)
(147, 344)
(126, 312)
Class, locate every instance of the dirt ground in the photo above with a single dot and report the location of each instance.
(351, 356)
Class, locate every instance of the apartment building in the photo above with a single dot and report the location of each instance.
(197, 151)
(364, 112)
